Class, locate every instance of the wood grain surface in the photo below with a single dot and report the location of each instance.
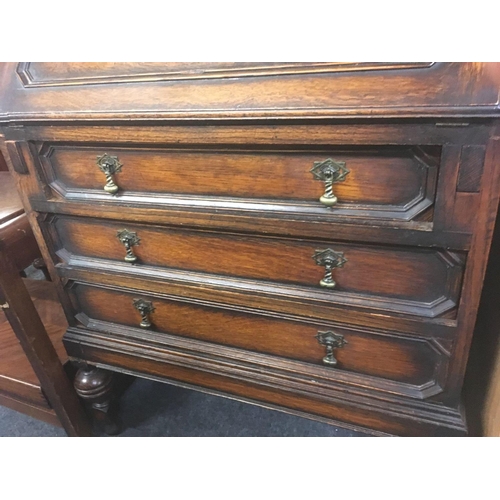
(398, 358)
(11, 206)
(442, 89)
(15, 370)
(386, 183)
(411, 276)
(216, 182)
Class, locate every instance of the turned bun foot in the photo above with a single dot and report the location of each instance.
(95, 386)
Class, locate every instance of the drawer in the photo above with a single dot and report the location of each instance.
(407, 280)
(408, 360)
(386, 183)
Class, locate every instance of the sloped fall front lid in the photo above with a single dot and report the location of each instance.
(149, 91)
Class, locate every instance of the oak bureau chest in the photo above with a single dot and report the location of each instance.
(310, 237)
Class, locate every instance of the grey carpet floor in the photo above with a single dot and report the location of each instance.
(154, 409)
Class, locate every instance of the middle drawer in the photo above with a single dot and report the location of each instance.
(409, 280)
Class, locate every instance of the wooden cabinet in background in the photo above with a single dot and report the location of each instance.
(311, 237)
(32, 323)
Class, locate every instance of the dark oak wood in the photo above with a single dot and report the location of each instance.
(354, 407)
(482, 379)
(11, 206)
(397, 357)
(32, 377)
(18, 381)
(216, 182)
(35, 411)
(421, 281)
(386, 183)
(48, 74)
(438, 89)
(95, 386)
(39, 350)
(178, 285)
(297, 218)
(471, 169)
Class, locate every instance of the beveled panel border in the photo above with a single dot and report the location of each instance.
(25, 72)
(406, 212)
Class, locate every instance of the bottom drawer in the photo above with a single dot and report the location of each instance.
(409, 360)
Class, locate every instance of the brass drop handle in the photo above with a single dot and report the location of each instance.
(331, 341)
(329, 171)
(329, 259)
(109, 165)
(128, 239)
(145, 308)
(328, 198)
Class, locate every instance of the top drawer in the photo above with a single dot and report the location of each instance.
(385, 183)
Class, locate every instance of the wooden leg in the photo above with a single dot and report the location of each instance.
(25, 321)
(95, 386)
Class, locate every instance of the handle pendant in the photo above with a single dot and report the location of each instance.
(128, 239)
(329, 171)
(331, 341)
(109, 165)
(330, 259)
(145, 308)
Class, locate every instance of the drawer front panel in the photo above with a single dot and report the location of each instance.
(374, 183)
(412, 280)
(390, 356)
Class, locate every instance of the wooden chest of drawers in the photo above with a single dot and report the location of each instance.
(310, 237)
